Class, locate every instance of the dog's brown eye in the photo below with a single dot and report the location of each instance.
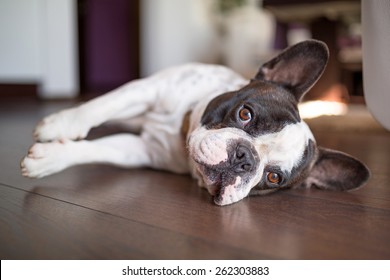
(273, 178)
(245, 115)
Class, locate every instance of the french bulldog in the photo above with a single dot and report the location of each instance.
(235, 137)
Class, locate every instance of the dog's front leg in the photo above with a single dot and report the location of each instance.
(128, 101)
(123, 150)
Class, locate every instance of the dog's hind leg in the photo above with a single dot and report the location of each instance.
(124, 150)
(128, 101)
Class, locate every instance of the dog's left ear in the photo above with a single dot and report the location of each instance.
(335, 170)
(297, 68)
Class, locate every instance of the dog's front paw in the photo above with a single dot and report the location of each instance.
(44, 159)
(66, 124)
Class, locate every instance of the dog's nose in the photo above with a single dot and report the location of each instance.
(243, 160)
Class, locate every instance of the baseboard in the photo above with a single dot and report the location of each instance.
(18, 91)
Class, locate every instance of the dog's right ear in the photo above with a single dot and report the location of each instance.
(334, 170)
(297, 68)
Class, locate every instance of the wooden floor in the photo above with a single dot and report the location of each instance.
(101, 212)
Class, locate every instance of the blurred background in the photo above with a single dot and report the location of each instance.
(67, 48)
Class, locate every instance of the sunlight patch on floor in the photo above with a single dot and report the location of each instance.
(314, 109)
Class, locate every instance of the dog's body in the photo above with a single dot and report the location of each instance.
(234, 136)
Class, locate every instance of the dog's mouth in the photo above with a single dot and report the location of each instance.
(218, 187)
(219, 195)
(226, 188)
(229, 193)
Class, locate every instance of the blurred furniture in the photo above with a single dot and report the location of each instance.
(323, 18)
(376, 45)
(108, 44)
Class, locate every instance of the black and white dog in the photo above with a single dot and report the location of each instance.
(236, 137)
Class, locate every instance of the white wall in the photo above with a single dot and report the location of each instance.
(179, 31)
(38, 43)
(20, 41)
(60, 57)
(175, 32)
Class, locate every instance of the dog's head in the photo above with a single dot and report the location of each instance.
(253, 141)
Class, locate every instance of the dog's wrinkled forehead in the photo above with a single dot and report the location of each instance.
(270, 106)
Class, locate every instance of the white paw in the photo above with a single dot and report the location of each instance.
(66, 124)
(44, 159)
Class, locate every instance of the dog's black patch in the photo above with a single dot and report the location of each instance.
(272, 108)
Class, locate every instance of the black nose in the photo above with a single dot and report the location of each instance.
(243, 159)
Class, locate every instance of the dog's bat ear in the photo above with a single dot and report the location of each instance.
(297, 68)
(338, 171)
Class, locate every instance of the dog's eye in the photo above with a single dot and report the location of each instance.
(245, 115)
(274, 178)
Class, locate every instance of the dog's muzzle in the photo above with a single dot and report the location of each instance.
(227, 162)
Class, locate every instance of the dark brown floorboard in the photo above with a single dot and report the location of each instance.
(102, 212)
